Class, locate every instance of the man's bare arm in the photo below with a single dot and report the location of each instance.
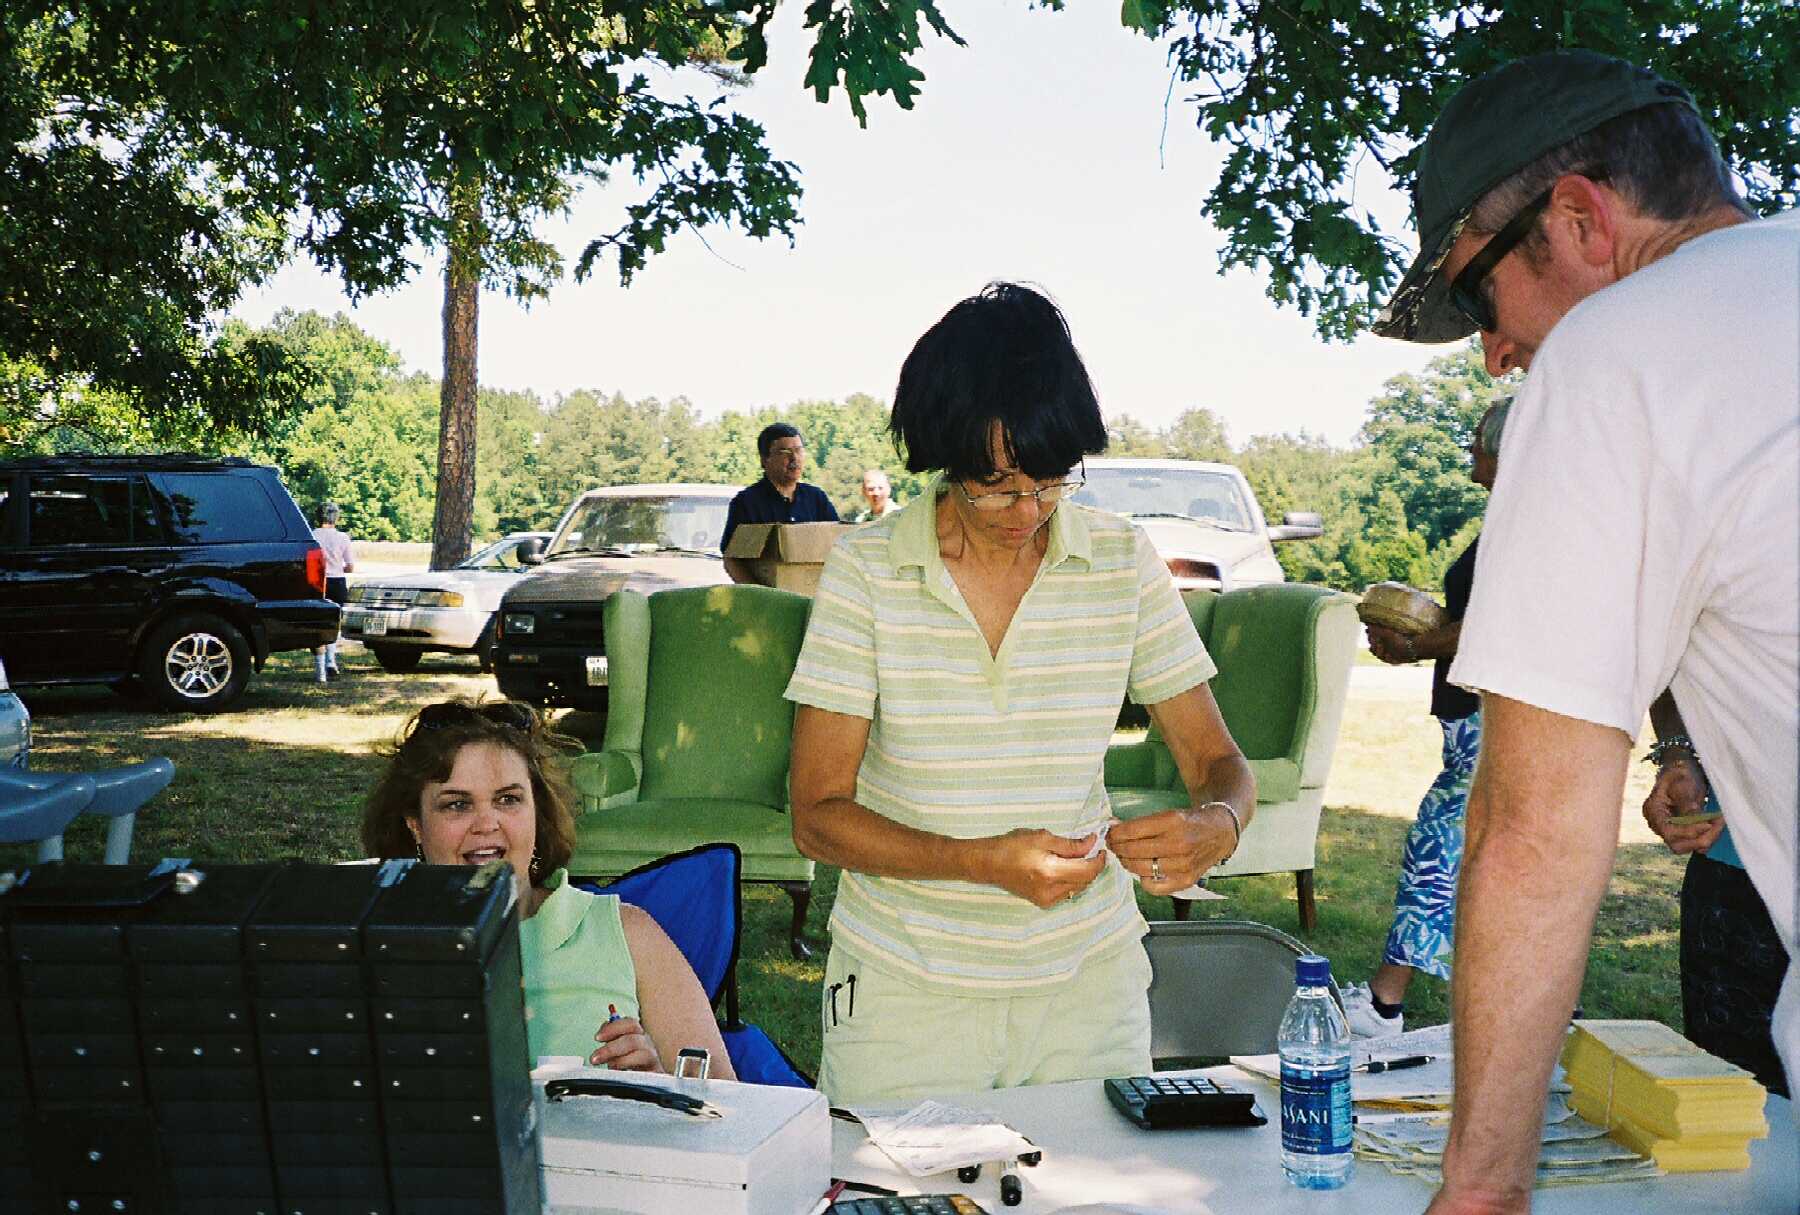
(1543, 825)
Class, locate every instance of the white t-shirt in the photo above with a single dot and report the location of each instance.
(337, 550)
(1644, 533)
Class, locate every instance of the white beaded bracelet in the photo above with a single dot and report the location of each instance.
(1237, 825)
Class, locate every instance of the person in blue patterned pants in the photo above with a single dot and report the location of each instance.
(1425, 901)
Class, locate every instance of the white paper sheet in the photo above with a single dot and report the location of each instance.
(932, 1137)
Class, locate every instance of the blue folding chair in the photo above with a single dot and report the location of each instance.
(696, 898)
(112, 793)
(31, 814)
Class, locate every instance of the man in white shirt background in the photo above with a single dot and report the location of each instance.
(338, 562)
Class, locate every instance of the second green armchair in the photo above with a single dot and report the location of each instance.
(1284, 655)
(697, 736)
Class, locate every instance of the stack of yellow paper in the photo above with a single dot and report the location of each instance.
(1661, 1095)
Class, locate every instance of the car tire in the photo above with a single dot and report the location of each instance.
(397, 660)
(194, 664)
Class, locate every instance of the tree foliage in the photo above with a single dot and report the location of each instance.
(157, 158)
(1424, 425)
(1318, 98)
(1397, 503)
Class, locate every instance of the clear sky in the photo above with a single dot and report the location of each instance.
(1038, 152)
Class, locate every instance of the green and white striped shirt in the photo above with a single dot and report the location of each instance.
(968, 744)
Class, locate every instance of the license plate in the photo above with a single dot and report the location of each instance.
(596, 670)
(374, 626)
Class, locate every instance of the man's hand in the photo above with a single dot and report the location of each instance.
(1042, 867)
(1681, 788)
(1390, 645)
(1449, 1201)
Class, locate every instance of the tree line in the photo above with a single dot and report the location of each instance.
(159, 159)
(1397, 501)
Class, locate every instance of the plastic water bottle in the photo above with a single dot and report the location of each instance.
(1315, 1082)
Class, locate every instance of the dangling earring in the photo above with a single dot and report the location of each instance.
(537, 866)
(419, 847)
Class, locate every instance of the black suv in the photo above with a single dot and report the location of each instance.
(174, 574)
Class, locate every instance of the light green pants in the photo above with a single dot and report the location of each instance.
(900, 1043)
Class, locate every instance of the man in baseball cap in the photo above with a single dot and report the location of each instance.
(1574, 211)
(1494, 127)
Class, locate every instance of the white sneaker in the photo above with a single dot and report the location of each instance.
(1365, 1022)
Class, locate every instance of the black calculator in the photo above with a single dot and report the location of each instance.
(1159, 1102)
(912, 1204)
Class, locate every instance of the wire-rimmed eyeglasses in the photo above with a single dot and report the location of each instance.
(1045, 495)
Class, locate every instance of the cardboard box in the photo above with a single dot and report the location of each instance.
(769, 1154)
(789, 556)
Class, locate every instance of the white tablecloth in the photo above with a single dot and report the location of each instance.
(1093, 1155)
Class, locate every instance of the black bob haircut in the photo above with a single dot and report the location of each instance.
(771, 432)
(1003, 356)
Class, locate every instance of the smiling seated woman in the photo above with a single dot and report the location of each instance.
(471, 782)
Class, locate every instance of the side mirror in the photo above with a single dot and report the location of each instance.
(531, 551)
(1299, 525)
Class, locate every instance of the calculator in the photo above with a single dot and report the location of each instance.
(1159, 1102)
(912, 1204)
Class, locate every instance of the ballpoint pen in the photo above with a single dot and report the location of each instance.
(1394, 1065)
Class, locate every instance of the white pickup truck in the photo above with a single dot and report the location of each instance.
(1202, 518)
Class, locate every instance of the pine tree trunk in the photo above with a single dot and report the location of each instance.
(452, 525)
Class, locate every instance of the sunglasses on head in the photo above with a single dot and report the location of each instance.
(448, 714)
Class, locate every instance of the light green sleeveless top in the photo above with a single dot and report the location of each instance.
(576, 963)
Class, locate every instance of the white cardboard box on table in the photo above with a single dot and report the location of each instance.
(768, 1154)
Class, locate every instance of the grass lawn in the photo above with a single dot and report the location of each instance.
(284, 775)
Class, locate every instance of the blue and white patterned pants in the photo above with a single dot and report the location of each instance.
(1425, 900)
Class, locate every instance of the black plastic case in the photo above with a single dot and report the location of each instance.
(265, 1040)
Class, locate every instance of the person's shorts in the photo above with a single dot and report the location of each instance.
(890, 1042)
(337, 590)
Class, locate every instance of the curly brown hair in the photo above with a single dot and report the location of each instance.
(425, 751)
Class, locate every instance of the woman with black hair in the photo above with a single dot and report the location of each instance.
(963, 668)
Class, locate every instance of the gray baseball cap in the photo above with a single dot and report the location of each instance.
(1495, 126)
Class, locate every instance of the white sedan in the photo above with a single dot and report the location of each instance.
(403, 617)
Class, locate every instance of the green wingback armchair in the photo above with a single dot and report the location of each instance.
(1284, 655)
(697, 736)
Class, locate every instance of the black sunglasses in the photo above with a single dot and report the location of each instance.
(448, 714)
(1466, 294)
(1465, 289)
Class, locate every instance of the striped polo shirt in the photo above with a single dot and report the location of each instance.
(964, 744)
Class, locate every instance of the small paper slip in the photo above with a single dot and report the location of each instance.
(932, 1137)
(1099, 843)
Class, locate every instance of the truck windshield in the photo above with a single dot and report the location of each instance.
(1190, 493)
(642, 525)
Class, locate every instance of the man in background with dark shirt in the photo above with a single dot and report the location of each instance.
(780, 497)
